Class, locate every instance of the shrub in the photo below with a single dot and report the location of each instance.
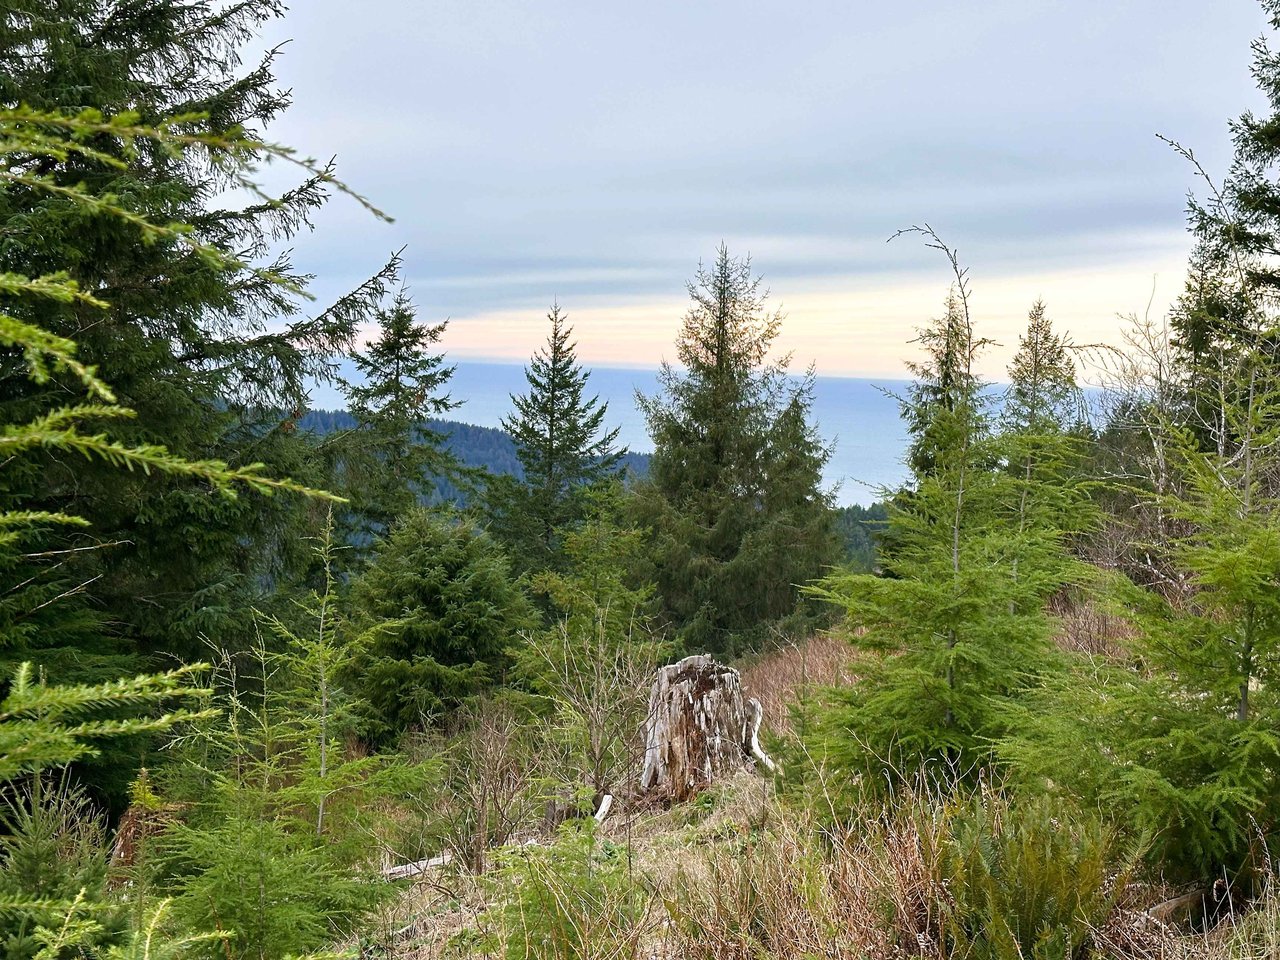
(930, 874)
(275, 850)
(269, 889)
(576, 899)
(1025, 881)
(490, 782)
(1181, 774)
(53, 849)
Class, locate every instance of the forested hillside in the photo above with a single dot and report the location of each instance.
(486, 449)
(282, 682)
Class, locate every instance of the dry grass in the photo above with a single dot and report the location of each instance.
(1132, 934)
(778, 895)
(1086, 627)
(1254, 935)
(779, 678)
(736, 875)
(781, 886)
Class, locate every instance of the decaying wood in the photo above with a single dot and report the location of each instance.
(1197, 910)
(699, 728)
(562, 808)
(141, 823)
(602, 811)
(403, 870)
(400, 871)
(755, 716)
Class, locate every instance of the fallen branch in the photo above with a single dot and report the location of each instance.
(606, 804)
(417, 867)
(754, 748)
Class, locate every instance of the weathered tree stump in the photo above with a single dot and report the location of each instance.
(699, 728)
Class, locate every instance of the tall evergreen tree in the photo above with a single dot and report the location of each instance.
(1043, 394)
(1250, 236)
(955, 630)
(1231, 299)
(1185, 745)
(213, 352)
(387, 462)
(1044, 448)
(734, 494)
(37, 619)
(564, 451)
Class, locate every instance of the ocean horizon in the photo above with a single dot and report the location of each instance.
(855, 416)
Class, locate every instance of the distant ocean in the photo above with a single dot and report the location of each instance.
(854, 414)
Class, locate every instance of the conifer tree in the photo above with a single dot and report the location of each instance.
(734, 493)
(272, 844)
(1212, 687)
(1185, 746)
(1232, 276)
(1214, 645)
(564, 451)
(1231, 506)
(215, 353)
(602, 553)
(1042, 393)
(1250, 237)
(388, 460)
(443, 616)
(945, 391)
(1044, 450)
(44, 725)
(949, 635)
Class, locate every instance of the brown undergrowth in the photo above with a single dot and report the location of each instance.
(737, 875)
(1085, 626)
(779, 678)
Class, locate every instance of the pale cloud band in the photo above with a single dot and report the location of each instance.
(849, 325)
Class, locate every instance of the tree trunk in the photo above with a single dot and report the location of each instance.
(699, 728)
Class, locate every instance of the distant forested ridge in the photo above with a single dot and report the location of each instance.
(482, 448)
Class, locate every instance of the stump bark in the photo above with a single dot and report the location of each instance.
(699, 728)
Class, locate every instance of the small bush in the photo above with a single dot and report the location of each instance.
(271, 891)
(53, 850)
(490, 789)
(576, 899)
(440, 610)
(1028, 881)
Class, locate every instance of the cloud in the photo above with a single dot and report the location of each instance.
(592, 153)
(847, 325)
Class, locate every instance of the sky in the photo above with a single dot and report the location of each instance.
(591, 153)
